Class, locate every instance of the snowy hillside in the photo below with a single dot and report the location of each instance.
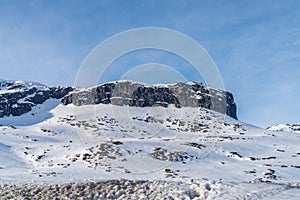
(214, 155)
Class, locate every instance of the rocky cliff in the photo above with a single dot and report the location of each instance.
(142, 95)
(18, 97)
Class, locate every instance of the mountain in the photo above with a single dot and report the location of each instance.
(14, 84)
(19, 97)
(285, 127)
(182, 137)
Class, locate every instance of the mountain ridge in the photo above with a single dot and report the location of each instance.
(19, 97)
(285, 128)
(137, 94)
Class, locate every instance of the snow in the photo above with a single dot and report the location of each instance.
(38, 114)
(12, 86)
(285, 127)
(4, 82)
(56, 144)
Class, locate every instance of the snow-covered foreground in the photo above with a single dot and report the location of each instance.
(190, 148)
(158, 189)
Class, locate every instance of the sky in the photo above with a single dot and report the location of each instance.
(255, 45)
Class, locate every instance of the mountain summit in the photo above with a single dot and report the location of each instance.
(285, 127)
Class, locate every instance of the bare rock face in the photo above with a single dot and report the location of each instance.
(18, 97)
(142, 95)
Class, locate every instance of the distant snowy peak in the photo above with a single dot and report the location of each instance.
(17, 84)
(285, 128)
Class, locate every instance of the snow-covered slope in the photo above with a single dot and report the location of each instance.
(103, 142)
(141, 143)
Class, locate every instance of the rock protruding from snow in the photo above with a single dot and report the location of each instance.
(18, 97)
(142, 95)
(112, 189)
(285, 128)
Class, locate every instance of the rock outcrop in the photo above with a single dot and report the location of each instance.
(142, 95)
(18, 97)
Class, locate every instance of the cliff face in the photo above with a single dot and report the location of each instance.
(17, 97)
(140, 95)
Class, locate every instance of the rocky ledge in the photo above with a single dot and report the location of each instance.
(142, 95)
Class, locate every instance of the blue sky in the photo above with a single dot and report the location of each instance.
(255, 44)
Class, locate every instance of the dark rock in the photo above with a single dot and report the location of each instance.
(20, 98)
(140, 95)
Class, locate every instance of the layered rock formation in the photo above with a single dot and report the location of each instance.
(141, 95)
